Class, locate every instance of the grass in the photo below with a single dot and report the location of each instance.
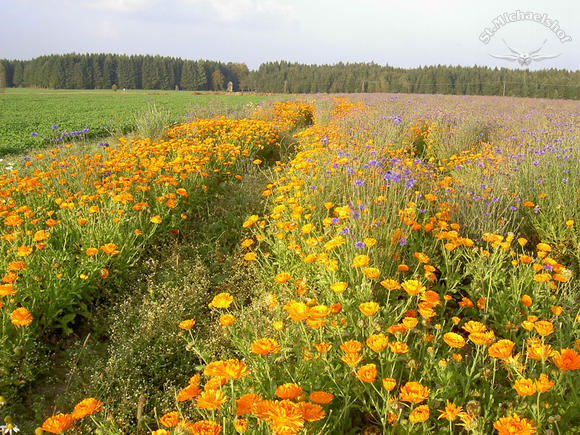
(104, 112)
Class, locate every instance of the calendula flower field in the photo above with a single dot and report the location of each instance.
(396, 264)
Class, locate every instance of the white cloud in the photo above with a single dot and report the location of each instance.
(233, 11)
(106, 29)
(117, 5)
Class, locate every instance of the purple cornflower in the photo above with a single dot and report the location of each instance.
(359, 245)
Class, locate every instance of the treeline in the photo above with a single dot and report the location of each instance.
(440, 79)
(103, 71)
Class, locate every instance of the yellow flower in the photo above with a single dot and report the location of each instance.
(525, 387)
(156, 220)
(265, 346)
(371, 272)
(361, 260)
(369, 308)
(414, 392)
(389, 384)
(454, 340)
(419, 414)
(512, 425)
(339, 287)
(413, 287)
(222, 300)
(21, 317)
(367, 373)
(451, 411)
(543, 383)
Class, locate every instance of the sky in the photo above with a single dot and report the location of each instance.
(399, 33)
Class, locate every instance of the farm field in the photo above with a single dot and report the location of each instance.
(28, 115)
(382, 263)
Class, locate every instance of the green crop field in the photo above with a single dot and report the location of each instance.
(28, 115)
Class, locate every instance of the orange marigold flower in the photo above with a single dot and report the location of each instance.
(297, 311)
(211, 399)
(414, 392)
(543, 247)
(7, 290)
(323, 347)
(482, 337)
(187, 324)
(311, 412)
(369, 308)
(538, 351)
(230, 369)
(371, 272)
(288, 391)
(419, 414)
(410, 322)
(513, 424)
(171, 419)
(526, 300)
(204, 427)
(361, 260)
(454, 340)
(525, 387)
(265, 346)
(389, 384)
(367, 373)
(413, 287)
(222, 300)
(24, 251)
(241, 425)
(543, 327)
(377, 342)
(245, 403)
(21, 317)
(58, 423)
(473, 326)
(566, 359)
(399, 347)
(556, 310)
(41, 236)
(543, 383)
(110, 249)
(250, 256)
(391, 284)
(351, 346)
(16, 266)
(285, 417)
(227, 320)
(465, 303)
(321, 397)
(451, 411)
(339, 287)
(542, 277)
(282, 277)
(188, 393)
(501, 349)
(421, 257)
(352, 358)
(87, 407)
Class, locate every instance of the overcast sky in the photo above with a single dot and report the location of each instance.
(402, 33)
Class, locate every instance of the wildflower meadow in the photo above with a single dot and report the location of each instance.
(400, 264)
